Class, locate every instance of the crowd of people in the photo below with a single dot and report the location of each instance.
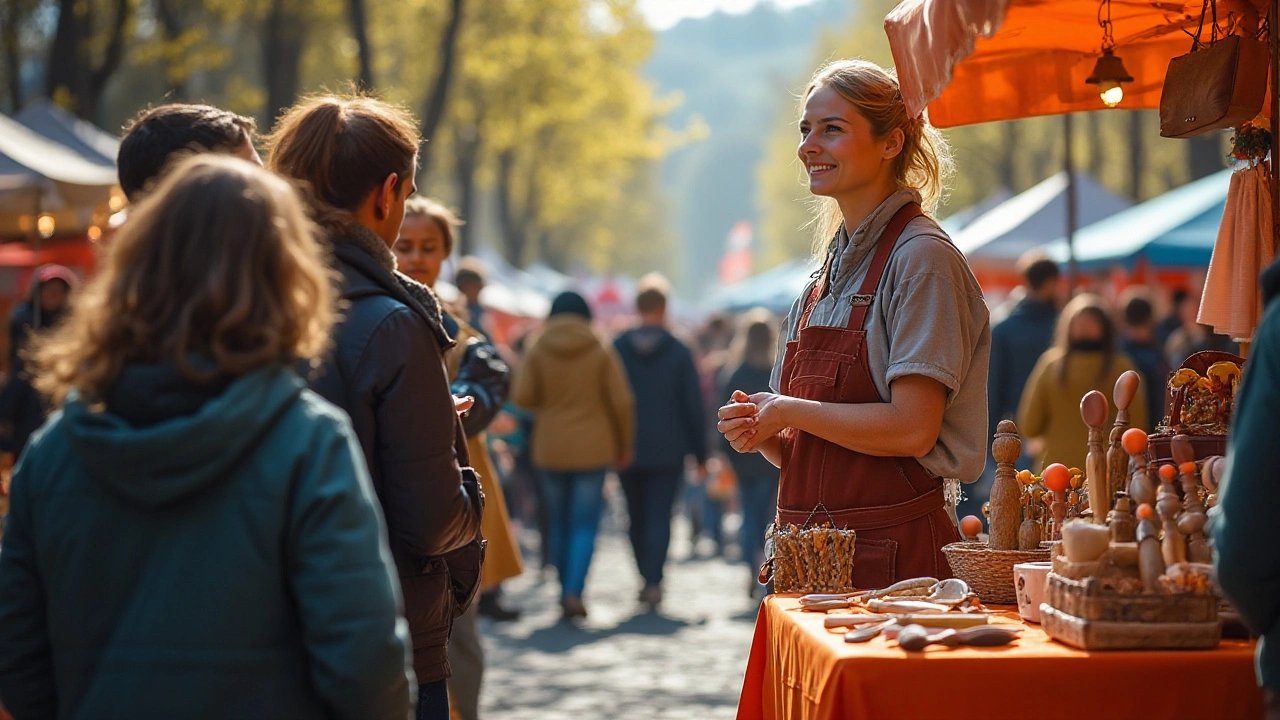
(264, 417)
(1047, 353)
(274, 473)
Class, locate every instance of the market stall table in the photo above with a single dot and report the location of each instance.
(798, 670)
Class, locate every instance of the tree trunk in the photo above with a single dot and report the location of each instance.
(111, 60)
(1205, 154)
(466, 153)
(172, 32)
(70, 68)
(1097, 148)
(62, 69)
(360, 31)
(433, 111)
(10, 19)
(282, 55)
(1136, 152)
(514, 238)
(1008, 156)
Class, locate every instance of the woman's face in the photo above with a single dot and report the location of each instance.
(1085, 326)
(420, 250)
(840, 153)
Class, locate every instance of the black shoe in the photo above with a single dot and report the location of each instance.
(489, 607)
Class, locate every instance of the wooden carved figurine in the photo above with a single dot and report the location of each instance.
(1006, 496)
(1120, 519)
(1057, 478)
(1151, 563)
(1117, 458)
(1172, 544)
(1094, 411)
(1193, 518)
(1211, 477)
(1142, 488)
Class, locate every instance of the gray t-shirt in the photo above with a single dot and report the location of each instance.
(928, 318)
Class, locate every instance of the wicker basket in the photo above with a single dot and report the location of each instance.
(989, 572)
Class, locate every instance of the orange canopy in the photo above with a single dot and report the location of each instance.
(974, 61)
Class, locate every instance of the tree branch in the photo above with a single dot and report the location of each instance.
(433, 112)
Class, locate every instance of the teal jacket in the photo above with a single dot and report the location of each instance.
(209, 551)
(1246, 554)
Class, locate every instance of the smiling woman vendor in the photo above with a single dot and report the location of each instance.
(881, 391)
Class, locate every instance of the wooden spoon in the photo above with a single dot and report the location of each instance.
(1094, 409)
(1126, 389)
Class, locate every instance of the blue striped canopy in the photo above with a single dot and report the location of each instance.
(1176, 229)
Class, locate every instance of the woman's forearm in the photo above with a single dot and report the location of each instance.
(771, 449)
(879, 429)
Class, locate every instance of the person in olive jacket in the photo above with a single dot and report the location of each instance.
(584, 421)
(358, 157)
(193, 534)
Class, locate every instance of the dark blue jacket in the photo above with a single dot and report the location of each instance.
(386, 370)
(670, 419)
(1150, 361)
(199, 552)
(1243, 525)
(1017, 342)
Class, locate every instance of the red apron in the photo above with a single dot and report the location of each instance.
(895, 506)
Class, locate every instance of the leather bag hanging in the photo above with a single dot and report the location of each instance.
(1219, 84)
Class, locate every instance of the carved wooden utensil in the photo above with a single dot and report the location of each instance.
(1126, 390)
(1006, 496)
(1094, 411)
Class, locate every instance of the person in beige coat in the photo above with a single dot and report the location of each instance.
(584, 420)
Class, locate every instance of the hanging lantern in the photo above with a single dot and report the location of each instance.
(1108, 73)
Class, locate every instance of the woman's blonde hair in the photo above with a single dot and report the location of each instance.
(343, 147)
(925, 162)
(437, 212)
(219, 264)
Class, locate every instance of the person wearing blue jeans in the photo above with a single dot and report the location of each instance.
(584, 420)
(753, 353)
(575, 501)
(670, 427)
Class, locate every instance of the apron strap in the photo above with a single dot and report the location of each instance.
(819, 287)
(891, 233)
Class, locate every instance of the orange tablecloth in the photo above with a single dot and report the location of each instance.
(799, 670)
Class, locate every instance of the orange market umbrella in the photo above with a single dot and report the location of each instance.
(974, 61)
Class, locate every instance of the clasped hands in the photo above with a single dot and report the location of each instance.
(748, 420)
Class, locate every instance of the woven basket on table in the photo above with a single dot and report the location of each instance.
(989, 572)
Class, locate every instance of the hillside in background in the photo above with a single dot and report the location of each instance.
(731, 71)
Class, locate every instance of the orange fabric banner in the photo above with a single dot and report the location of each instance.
(799, 670)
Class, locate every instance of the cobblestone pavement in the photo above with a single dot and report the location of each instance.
(683, 663)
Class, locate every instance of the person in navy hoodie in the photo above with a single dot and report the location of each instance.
(670, 427)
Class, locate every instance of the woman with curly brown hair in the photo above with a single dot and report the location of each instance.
(194, 534)
(357, 156)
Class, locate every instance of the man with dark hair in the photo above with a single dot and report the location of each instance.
(159, 134)
(670, 426)
(1138, 341)
(1171, 322)
(1017, 342)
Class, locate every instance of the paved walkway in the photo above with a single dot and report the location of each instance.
(683, 663)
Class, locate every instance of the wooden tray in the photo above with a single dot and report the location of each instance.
(1088, 600)
(1099, 635)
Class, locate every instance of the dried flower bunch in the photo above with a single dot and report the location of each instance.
(1250, 143)
(813, 559)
